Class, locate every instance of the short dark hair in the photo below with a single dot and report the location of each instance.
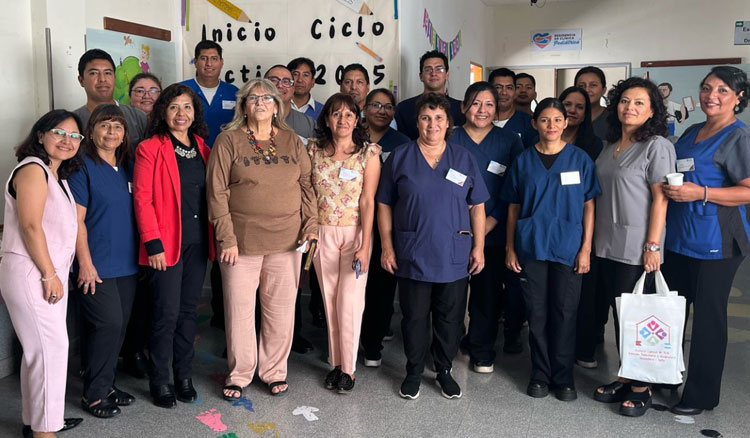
(144, 75)
(474, 89)
(527, 76)
(323, 132)
(31, 147)
(736, 80)
(207, 45)
(585, 137)
(157, 124)
(104, 113)
(296, 62)
(91, 55)
(665, 84)
(435, 101)
(433, 54)
(265, 75)
(385, 91)
(549, 102)
(591, 69)
(502, 72)
(358, 67)
(656, 125)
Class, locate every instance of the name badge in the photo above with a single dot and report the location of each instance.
(228, 104)
(384, 156)
(348, 174)
(686, 165)
(130, 187)
(496, 168)
(570, 178)
(456, 177)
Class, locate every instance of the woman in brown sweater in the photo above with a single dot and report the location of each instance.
(262, 205)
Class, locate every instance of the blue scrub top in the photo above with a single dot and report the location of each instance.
(406, 115)
(110, 220)
(429, 211)
(221, 109)
(520, 123)
(550, 223)
(391, 139)
(711, 231)
(502, 147)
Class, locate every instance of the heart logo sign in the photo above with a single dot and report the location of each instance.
(541, 40)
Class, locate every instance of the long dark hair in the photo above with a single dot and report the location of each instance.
(473, 91)
(549, 102)
(157, 124)
(323, 132)
(585, 137)
(107, 113)
(32, 147)
(656, 125)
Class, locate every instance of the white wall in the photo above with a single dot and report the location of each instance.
(621, 31)
(471, 17)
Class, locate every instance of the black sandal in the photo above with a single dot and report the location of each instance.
(121, 398)
(67, 425)
(273, 385)
(641, 402)
(231, 388)
(612, 392)
(106, 408)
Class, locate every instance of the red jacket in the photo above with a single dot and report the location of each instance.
(156, 195)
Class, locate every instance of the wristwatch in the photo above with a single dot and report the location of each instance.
(651, 247)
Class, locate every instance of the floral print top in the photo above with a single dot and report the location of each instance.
(338, 184)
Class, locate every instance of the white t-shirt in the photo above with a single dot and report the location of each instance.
(208, 92)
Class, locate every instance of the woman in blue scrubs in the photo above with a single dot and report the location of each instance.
(551, 189)
(431, 219)
(708, 231)
(495, 149)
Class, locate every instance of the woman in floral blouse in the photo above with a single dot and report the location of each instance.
(345, 178)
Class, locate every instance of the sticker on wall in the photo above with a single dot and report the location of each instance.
(447, 48)
(555, 40)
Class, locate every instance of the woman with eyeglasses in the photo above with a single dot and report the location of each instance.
(39, 241)
(262, 205)
(380, 107)
(170, 208)
(144, 90)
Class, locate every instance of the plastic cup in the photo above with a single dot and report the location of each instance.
(675, 179)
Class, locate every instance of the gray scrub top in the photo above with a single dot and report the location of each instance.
(622, 209)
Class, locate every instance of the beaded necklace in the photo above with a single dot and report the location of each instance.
(266, 154)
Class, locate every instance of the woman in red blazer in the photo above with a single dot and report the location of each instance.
(176, 239)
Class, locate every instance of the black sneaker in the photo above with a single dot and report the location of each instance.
(410, 387)
(448, 387)
(346, 384)
(332, 378)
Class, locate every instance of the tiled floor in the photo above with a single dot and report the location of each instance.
(493, 405)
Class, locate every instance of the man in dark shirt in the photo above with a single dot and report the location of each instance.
(507, 117)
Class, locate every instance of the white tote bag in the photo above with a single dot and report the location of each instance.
(651, 333)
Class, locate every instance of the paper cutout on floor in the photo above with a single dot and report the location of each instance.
(228, 435)
(212, 419)
(265, 429)
(684, 419)
(307, 412)
(245, 402)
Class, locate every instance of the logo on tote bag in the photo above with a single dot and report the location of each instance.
(652, 332)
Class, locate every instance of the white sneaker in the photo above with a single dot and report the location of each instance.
(484, 367)
(373, 363)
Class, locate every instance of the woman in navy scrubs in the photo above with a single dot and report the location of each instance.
(708, 228)
(551, 189)
(431, 219)
(495, 149)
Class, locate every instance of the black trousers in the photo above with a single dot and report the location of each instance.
(217, 296)
(106, 314)
(513, 303)
(177, 292)
(139, 327)
(485, 305)
(618, 278)
(587, 327)
(379, 294)
(706, 285)
(551, 291)
(446, 303)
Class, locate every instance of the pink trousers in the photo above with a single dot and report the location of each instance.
(343, 293)
(278, 277)
(41, 328)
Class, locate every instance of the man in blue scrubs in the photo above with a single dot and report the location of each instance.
(508, 117)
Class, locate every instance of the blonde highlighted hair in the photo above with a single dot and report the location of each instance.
(240, 116)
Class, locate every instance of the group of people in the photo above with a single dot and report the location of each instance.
(545, 217)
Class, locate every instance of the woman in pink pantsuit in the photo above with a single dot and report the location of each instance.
(38, 246)
(345, 173)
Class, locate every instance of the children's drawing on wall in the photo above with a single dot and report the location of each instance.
(676, 112)
(134, 54)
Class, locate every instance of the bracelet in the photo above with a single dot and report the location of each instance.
(44, 280)
(705, 195)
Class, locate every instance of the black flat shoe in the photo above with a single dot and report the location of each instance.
(612, 392)
(566, 393)
(537, 389)
(163, 396)
(69, 424)
(106, 408)
(641, 403)
(681, 409)
(185, 391)
(120, 398)
(332, 378)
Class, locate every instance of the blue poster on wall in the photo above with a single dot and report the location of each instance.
(134, 54)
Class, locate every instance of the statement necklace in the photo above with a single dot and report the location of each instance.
(267, 153)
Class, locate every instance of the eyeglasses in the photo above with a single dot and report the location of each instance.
(141, 91)
(284, 81)
(438, 69)
(61, 134)
(254, 98)
(377, 106)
